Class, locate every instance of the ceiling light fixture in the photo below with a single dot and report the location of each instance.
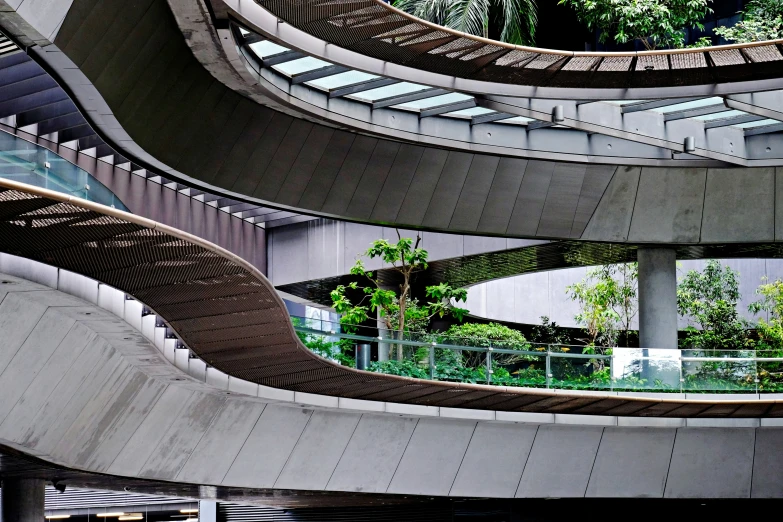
(132, 516)
(111, 514)
(56, 517)
(191, 510)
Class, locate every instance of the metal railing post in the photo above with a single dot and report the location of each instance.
(432, 361)
(489, 365)
(548, 366)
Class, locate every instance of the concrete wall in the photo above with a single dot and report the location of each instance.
(327, 248)
(84, 389)
(525, 298)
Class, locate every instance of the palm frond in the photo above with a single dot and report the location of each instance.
(469, 16)
(519, 21)
(435, 11)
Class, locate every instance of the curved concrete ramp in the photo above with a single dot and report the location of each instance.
(229, 314)
(83, 389)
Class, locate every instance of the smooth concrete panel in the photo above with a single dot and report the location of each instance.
(99, 447)
(324, 255)
(711, 463)
(150, 431)
(46, 16)
(217, 449)
(768, 464)
(530, 201)
(612, 217)
(184, 434)
(268, 446)
(494, 461)
(442, 246)
(39, 346)
(19, 315)
(318, 450)
(560, 462)
(372, 454)
(502, 195)
(739, 205)
(631, 462)
(429, 464)
(778, 208)
(668, 205)
(597, 178)
(41, 386)
(562, 198)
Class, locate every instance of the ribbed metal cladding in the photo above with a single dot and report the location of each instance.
(76, 498)
(229, 314)
(416, 513)
(372, 28)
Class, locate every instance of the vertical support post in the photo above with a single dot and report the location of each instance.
(22, 500)
(432, 361)
(657, 297)
(489, 365)
(207, 511)
(548, 366)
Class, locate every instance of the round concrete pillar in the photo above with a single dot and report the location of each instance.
(657, 297)
(22, 500)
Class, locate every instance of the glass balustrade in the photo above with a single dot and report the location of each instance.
(534, 365)
(32, 164)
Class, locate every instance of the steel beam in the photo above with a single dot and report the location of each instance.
(765, 104)
(361, 87)
(655, 104)
(734, 120)
(489, 117)
(329, 70)
(692, 113)
(766, 129)
(448, 107)
(405, 98)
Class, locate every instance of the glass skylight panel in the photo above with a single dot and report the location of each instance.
(720, 115)
(435, 101)
(517, 120)
(243, 31)
(300, 66)
(695, 104)
(381, 93)
(622, 102)
(753, 124)
(343, 79)
(469, 113)
(265, 48)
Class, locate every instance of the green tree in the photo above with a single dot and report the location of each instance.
(761, 20)
(512, 21)
(708, 300)
(655, 23)
(396, 308)
(607, 297)
(771, 301)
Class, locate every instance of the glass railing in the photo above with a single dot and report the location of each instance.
(554, 366)
(32, 164)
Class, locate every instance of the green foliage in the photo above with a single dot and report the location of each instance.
(608, 302)
(400, 312)
(655, 23)
(761, 20)
(548, 332)
(486, 335)
(708, 299)
(512, 21)
(770, 330)
(339, 351)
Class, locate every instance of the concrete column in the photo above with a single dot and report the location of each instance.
(207, 511)
(23, 500)
(657, 297)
